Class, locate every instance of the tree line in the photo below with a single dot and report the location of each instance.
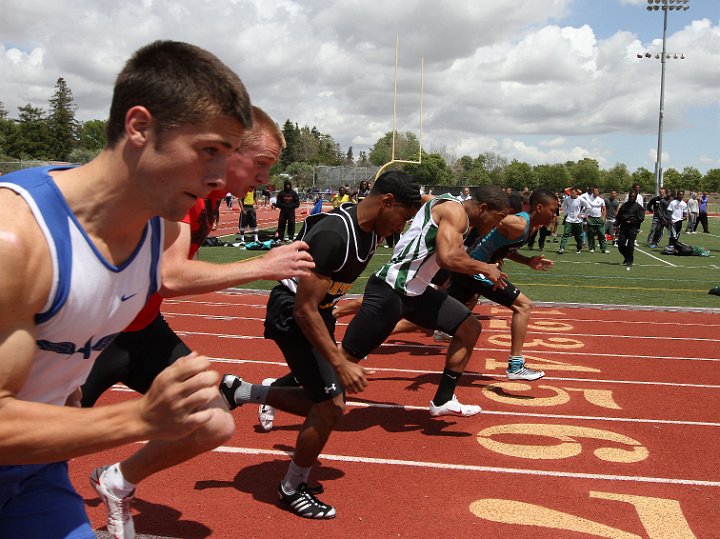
(55, 135)
(51, 134)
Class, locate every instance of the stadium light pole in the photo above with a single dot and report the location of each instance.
(665, 6)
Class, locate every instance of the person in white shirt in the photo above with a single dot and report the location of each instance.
(678, 213)
(639, 200)
(693, 208)
(572, 207)
(465, 194)
(596, 220)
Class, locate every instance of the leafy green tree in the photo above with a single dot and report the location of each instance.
(692, 179)
(711, 181)
(31, 138)
(7, 128)
(585, 172)
(494, 165)
(61, 121)
(92, 135)
(645, 178)
(616, 179)
(519, 175)
(407, 147)
(363, 159)
(461, 169)
(478, 176)
(432, 171)
(328, 152)
(291, 153)
(554, 177)
(349, 158)
(301, 174)
(672, 179)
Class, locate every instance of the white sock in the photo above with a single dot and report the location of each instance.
(294, 477)
(114, 480)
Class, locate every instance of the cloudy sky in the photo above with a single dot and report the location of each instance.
(542, 81)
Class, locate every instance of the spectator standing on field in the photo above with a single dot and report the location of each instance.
(702, 214)
(636, 187)
(656, 227)
(596, 220)
(248, 216)
(572, 207)
(693, 211)
(287, 202)
(677, 211)
(628, 219)
(611, 207)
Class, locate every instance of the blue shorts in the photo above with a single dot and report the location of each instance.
(38, 501)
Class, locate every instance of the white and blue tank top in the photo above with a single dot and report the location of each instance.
(91, 300)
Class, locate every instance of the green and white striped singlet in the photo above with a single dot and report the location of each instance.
(414, 260)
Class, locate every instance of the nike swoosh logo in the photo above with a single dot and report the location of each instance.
(125, 298)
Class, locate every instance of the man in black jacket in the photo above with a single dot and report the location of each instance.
(628, 218)
(287, 201)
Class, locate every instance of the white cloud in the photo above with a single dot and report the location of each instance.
(495, 73)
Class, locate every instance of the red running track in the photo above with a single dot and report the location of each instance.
(620, 439)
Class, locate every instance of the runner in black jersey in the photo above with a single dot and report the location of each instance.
(299, 319)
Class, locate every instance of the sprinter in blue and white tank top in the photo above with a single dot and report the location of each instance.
(79, 255)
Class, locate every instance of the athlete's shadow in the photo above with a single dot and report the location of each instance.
(396, 345)
(262, 479)
(160, 520)
(416, 383)
(358, 419)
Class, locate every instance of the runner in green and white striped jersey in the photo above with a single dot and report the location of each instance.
(414, 261)
(401, 289)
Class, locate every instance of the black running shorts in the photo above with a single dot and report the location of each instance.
(248, 219)
(463, 287)
(382, 308)
(310, 368)
(134, 358)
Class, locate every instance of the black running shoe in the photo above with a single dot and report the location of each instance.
(228, 385)
(302, 502)
(714, 291)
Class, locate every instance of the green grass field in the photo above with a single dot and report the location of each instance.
(589, 278)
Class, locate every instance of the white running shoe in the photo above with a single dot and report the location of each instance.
(453, 407)
(120, 523)
(441, 336)
(525, 373)
(266, 413)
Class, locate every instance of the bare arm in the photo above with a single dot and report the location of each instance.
(451, 254)
(34, 432)
(512, 227)
(310, 294)
(181, 276)
(538, 262)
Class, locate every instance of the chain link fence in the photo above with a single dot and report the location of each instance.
(332, 178)
(11, 166)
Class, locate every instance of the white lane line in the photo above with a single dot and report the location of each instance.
(480, 349)
(655, 257)
(123, 389)
(209, 316)
(474, 468)
(482, 375)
